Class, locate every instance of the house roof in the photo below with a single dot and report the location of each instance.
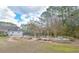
(8, 26)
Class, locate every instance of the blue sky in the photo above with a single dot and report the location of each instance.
(29, 11)
(20, 14)
(18, 17)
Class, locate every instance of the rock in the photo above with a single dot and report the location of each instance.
(12, 40)
(61, 40)
(27, 37)
(46, 39)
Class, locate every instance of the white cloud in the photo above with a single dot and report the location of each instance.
(3, 6)
(6, 15)
(9, 13)
(24, 19)
(32, 15)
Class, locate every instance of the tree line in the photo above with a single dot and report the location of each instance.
(56, 21)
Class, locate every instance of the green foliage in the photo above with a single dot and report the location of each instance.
(62, 20)
(2, 34)
(61, 48)
(57, 21)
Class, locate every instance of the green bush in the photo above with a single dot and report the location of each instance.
(3, 34)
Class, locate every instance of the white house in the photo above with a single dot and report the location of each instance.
(10, 29)
(15, 33)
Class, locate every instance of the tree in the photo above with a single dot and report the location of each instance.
(60, 17)
(56, 21)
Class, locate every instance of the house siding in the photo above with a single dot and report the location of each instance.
(15, 33)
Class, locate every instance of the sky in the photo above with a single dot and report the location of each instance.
(20, 14)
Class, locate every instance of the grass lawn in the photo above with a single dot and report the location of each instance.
(61, 48)
(35, 46)
(3, 38)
